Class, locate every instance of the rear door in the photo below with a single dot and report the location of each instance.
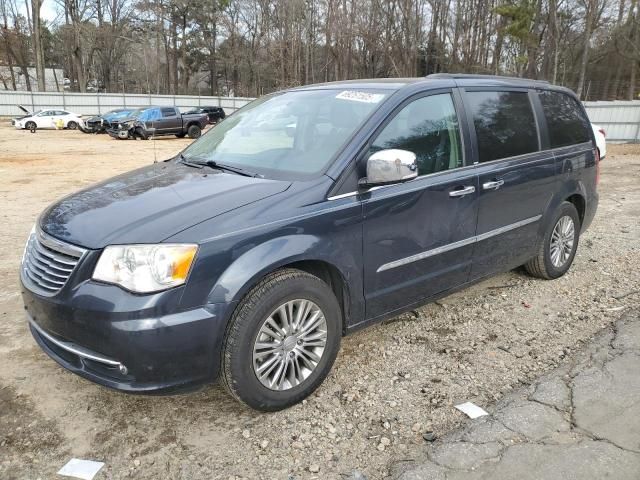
(517, 176)
(418, 235)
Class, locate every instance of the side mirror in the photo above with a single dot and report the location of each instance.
(390, 166)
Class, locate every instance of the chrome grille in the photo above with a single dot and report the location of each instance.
(48, 263)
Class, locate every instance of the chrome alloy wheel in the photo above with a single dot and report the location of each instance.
(562, 239)
(290, 344)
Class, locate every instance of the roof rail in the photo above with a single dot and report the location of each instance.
(462, 76)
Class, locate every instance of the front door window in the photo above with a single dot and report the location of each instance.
(429, 128)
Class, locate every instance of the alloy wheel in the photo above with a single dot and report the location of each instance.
(562, 240)
(289, 344)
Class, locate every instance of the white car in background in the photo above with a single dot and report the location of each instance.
(49, 119)
(601, 141)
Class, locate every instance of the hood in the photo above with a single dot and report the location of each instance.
(151, 204)
(24, 109)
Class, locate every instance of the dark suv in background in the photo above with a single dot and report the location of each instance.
(214, 114)
(304, 216)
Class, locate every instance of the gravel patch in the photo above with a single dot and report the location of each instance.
(392, 384)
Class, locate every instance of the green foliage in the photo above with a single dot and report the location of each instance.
(519, 15)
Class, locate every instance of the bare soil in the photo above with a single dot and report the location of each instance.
(391, 382)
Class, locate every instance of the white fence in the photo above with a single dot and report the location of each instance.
(620, 119)
(98, 103)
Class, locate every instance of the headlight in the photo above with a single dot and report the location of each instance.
(145, 268)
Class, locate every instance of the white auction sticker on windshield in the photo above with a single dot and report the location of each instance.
(364, 97)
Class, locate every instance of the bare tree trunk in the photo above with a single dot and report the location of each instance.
(590, 4)
(37, 44)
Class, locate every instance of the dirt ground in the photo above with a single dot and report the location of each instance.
(391, 382)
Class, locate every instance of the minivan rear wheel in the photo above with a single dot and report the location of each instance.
(559, 245)
(282, 340)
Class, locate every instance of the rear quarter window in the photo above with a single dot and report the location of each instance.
(566, 121)
(504, 123)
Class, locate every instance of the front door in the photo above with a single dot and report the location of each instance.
(418, 236)
(171, 121)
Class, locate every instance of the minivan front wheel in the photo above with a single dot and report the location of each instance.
(559, 245)
(282, 340)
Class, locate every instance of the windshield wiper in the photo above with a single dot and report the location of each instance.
(189, 163)
(218, 166)
(229, 168)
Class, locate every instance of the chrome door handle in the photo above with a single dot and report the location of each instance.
(493, 185)
(462, 192)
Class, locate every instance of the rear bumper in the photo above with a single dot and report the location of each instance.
(150, 354)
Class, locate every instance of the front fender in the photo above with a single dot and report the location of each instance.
(254, 264)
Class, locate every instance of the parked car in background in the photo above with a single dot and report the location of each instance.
(101, 123)
(159, 121)
(27, 113)
(48, 119)
(601, 139)
(215, 114)
(251, 253)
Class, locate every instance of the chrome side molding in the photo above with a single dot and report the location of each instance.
(458, 244)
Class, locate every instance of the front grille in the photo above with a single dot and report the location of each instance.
(48, 263)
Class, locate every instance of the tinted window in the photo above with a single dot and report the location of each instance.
(429, 128)
(565, 119)
(149, 115)
(504, 122)
(168, 112)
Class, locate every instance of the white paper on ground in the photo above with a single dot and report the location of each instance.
(471, 410)
(83, 469)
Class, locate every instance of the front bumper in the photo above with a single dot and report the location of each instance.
(127, 347)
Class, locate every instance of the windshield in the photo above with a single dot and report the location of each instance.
(291, 134)
(117, 114)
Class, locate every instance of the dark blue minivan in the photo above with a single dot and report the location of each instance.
(300, 218)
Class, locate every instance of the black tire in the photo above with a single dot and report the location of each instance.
(238, 373)
(140, 133)
(181, 135)
(194, 131)
(30, 125)
(541, 265)
(72, 125)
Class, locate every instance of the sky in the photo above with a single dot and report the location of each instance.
(49, 11)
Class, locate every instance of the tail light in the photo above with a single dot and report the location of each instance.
(597, 155)
(604, 134)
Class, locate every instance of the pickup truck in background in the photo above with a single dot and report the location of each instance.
(159, 121)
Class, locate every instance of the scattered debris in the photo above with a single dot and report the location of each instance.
(83, 469)
(471, 410)
(624, 295)
(429, 436)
